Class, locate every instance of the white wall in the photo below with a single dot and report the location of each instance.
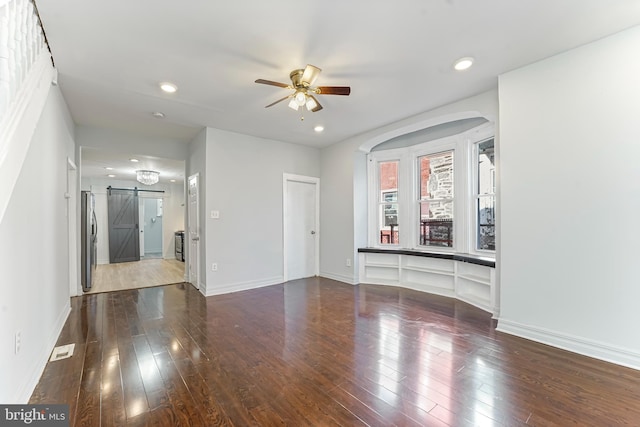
(337, 207)
(34, 290)
(244, 183)
(343, 200)
(173, 216)
(570, 197)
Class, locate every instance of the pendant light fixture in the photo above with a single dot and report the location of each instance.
(147, 177)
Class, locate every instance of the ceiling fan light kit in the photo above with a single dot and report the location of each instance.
(302, 81)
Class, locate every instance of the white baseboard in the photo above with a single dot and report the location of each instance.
(243, 286)
(595, 349)
(25, 392)
(339, 277)
(202, 288)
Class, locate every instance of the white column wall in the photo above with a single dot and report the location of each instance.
(570, 197)
(244, 183)
(34, 256)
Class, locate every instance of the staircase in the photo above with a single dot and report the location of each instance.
(26, 73)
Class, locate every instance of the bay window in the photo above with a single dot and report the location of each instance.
(444, 189)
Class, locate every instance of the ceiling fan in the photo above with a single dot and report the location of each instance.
(302, 83)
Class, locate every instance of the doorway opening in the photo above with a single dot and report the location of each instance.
(150, 210)
(144, 224)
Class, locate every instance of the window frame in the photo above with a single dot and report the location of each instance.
(465, 169)
(476, 196)
(418, 200)
(376, 195)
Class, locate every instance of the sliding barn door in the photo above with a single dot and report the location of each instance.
(124, 239)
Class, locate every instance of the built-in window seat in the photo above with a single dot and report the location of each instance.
(469, 278)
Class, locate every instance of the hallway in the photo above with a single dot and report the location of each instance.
(137, 274)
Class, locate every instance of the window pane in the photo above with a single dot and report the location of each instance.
(389, 234)
(436, 176)
(388, 178)
(486, 168)
(486, 223)
(436, 223)
(436, 199)
(388, 213)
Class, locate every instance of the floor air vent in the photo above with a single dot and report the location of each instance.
(62, 352)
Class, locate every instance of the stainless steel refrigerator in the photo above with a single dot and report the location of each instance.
(88, 236)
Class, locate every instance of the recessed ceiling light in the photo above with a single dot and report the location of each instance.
(318, 128)
(168, 87)
(111, 175)
(463, 63)
(108, 168)
(172, 180)
(134, 160)
(158, 115)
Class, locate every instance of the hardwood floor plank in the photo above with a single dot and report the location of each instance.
(318, 352)
(213, 413)
(182, 405)
(112, 395)
(88, 409)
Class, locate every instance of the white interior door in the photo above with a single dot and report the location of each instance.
(301, 237)
(193, 234)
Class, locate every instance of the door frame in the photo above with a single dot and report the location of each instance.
(195, 258)
(286, 178)
(72, 223)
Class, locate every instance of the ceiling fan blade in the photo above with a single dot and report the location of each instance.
(311, 73)
(279, 100)
(333, 90)
(318, 107)
(269, 82)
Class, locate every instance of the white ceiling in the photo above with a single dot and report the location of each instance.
(96, 161)
(396, 55)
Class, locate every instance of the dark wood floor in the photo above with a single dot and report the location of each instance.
(316, 353)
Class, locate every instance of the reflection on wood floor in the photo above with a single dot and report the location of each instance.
(137, 274)
(318, 352)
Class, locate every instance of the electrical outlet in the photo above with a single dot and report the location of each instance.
(214, 266)
(348, 262)
(215, 214)
(18, 341)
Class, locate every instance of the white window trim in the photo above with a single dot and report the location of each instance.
(427, 149)
(465, 194)
(375, 193)
(479, 135)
